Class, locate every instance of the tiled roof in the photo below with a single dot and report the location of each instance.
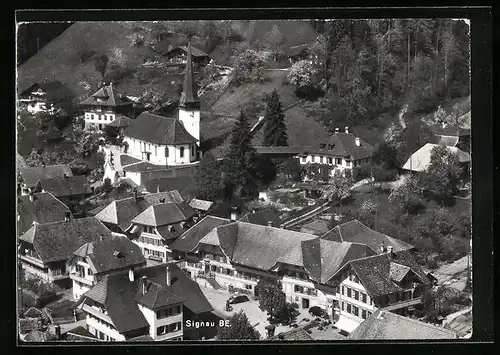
(58, 240)
(120, 296)
(296, 50)
(201, 205)
(194, 51)
(294, 334)
(120, 121)
(101, 254)
(33, 313)
(356, 232)
(448, 141)
(81, 332)
(374, 272)
(397, 271)
(122, 212)
(39, 336)
(165, 214)
(31, 176)
(383, 325)
(420, 160)
(127, 160)
(55, 90)
(45, 208)
(158, 130)
(143, 166)
(186, 185)
(65, 186)
(344, 145)
(189, 239)
(283, 150)
(110, 97)
(449, 130)
(174, 230)
(262, 218)
(317, 227)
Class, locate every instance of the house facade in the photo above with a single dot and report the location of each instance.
(153, 302)
(103, 107)
(45, 248)
(93, 260)
(343, 151)
(47, 97)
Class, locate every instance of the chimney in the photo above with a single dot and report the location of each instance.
(43, 165)
(162, 200)
(144, 282)
(382, 247)
(67, 217)
(131, 275)
(346, 129)
(168, 276)
(234, 214)
(65, 176)
(443, 124)
(34, 223)
(253, 211)
(336, 130)
(57, 330)
(270, 223)
(390, 250)
(32, 197)
(195, 219)
(101, 237)
(358, 143)
(157, 188)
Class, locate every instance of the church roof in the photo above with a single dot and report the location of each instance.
(189, 94)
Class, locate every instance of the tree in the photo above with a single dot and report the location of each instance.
(118, 58)
(101, 63)
(239, 170)
(272, 299)
(406, 193)
(208, 178)
(239, 329)
(301, 74)
(292, 169)
(367, 213)
(34, 159)
(338, 188)
(443, 173)
(107, 187)
(387, 154)
(248, 67)
(275, 133)
(320, 50)
(274, 41)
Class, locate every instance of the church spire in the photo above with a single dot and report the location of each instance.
(189, 96)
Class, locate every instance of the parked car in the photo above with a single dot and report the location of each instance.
(317, 311)
(237, 299)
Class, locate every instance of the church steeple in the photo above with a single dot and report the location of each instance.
(189, 97)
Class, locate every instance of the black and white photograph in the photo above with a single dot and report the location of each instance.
(253, 180)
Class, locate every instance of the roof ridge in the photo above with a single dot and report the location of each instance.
(415, 321)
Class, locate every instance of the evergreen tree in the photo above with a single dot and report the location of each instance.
(275, 129)
(239, 171)
(208, 178)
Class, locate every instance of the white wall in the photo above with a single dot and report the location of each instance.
(154, 323)
(157, 156)
(191, 121)
(95, 117)
(93, 325)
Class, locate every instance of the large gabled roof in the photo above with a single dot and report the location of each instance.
(107, 96)
(262, 218)
(343, 144)
(122, 212)
(157, 129)
(121, 297)
(31, 176)
(58, 240)
(421, 159)
(45, 208)
(190, 238)
(55, 90)
(65, 186)
(164, 214)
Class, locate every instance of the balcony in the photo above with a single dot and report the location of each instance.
(79, 277)
(33, 260)
(402, 304)
(57, 275)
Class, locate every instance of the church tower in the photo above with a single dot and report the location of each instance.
(189, 105)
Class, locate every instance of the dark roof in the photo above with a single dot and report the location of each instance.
(81, 332)
(188, 240)
(165, 214)
(55, 91)
(189, 93)
(356, 232)
(195, 52)
(383, 325)
(58, 240)
(262, 218)
(146, 337)
(122, 212)
(201, 205)
(158, 130)
(283, 150)
(111, 254)
(31, 176)
(448, 141)
(186, 185)
(317, 227)
(294, 334)
(297, 50)
(120, 121)
(374, 272)
(143, 166)
(33, 312)
(121, 297)
(39, 336)
(343, 144)
(127, 160)
(449, 130)
(109, 96)
(65, 186)
(45, 208)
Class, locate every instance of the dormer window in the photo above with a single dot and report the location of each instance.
(322, 146)
(170, 228)
(183, 225)
(118, 254)
(330, 146)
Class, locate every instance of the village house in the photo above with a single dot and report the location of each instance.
(152, 302)
(45, 248)
(266, 217)
(299, 52)
(385, 325)
(104, 106)
(68, 189)
(118, 215)
(343, 151)
(48, 97)
(158, 226)
(39, 208)
(201, 207)
(452, 135)
(29, 177)
(179, 56)
(391, 281)
(316, 227)
(93, 260)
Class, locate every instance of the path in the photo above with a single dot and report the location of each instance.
(309, 215)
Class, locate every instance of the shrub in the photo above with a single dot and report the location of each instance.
(136, 40)
(117, 73)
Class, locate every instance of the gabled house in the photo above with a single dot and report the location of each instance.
(266, 217)
(452, 135)
(48, 96)
(392, 281)
(118, 215)
(316, 227)
(384, 325)
(45, 248)
(343, 150)
(39, 208)
(202, 207)
(69, 189)
(92, 261)
(156, 228)
(299, 52)
(31, 176)
(153, 302)
(179, 56)
(103, 107)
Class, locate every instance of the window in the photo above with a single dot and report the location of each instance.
(356, 295)
(342, 305)
(338, 161)
(355, 311)
(303, 159)
(343, 290)
(80, 270)
(330, 160)
(89, 272)
(369, 313)
(168, 312)
(363, 314)
(363, 297)
(213, 268)
(248, 287)
(347, 163)
(321, 160)
(322, 146)
(166, 152)
(156, 152)
(349, 292)
(348, 308)
(192, 150)
(181, 152)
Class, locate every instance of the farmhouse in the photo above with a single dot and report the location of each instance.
(31, 176)
(47, 96)
(180, 56)
(69, 189)
(419, 161)
(452, 135)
